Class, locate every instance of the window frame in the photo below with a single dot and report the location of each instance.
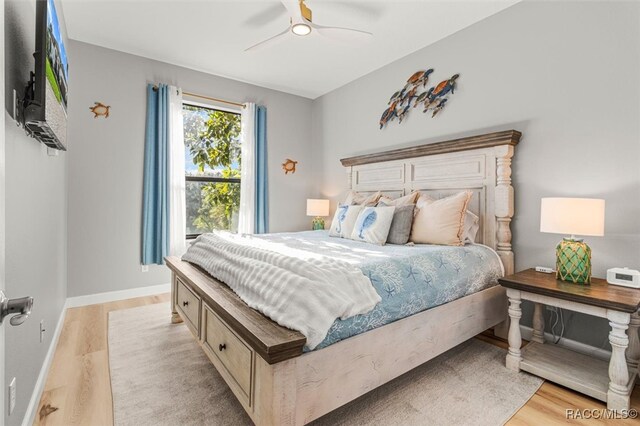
(208, 179)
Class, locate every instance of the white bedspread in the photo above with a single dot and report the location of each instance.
(298, 289)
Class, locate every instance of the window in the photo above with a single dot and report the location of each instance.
(212, 169)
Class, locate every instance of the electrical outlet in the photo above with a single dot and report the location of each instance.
(12, 395)
(144, 268)
(42, 330)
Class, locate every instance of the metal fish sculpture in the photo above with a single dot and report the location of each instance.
(420, 77)
(445, 87)
(369, 220)
(403, 112)
(396, 96)
(442, 89)
(434, 99)
(408, 96)
(421, 97)
(388, 115)
(429, 100)
(439, 107)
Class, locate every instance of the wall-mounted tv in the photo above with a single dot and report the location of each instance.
(45, 102)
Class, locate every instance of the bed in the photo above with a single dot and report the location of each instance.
(279, 381)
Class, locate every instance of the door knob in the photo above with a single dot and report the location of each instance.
(21, 306)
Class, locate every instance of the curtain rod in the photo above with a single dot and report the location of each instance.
(155, 88)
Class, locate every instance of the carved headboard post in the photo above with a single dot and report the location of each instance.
(504, 206)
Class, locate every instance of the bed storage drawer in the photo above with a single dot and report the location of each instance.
(188, 304)
(224, 347)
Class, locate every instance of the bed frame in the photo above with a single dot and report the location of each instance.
(263, 363)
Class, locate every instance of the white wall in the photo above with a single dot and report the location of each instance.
(3, 118)
(106, 157)
(36, 219)
(563, 73)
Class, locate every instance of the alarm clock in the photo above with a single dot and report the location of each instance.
(624, 276)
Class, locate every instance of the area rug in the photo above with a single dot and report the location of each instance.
(160, 376)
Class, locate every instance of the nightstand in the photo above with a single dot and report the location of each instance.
(611, 382)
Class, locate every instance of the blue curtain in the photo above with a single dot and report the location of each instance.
(155, 208)
(262, 202)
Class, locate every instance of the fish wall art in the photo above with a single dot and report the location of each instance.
(415, 94)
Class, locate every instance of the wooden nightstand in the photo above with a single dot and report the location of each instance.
(611, 382)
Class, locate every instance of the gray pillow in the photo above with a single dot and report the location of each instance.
(400, 230)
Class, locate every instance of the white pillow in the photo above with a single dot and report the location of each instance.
(372, 225)
(343, 220)
(471, 227)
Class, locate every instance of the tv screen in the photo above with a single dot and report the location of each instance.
(46, 104)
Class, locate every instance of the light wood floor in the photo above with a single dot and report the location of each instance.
(78, 388)
(79, 384)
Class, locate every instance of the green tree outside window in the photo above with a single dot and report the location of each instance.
(213, 152)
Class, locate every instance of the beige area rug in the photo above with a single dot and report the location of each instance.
(160, 376)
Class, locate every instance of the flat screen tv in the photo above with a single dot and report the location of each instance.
(45, 102)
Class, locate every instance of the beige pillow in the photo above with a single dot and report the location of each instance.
(358, 198)
(440, 221)
(402, 201)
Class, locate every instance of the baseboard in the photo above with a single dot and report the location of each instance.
(112, 296)
(31, 412)
(574, 345)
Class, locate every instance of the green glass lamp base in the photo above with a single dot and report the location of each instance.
(317, 224)
(573, 261)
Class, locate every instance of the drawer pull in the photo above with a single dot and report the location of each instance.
(185, 303)
(222, 347)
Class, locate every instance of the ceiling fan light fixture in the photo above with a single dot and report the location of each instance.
(301, 29)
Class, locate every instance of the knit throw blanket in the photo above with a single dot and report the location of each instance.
(298, 289)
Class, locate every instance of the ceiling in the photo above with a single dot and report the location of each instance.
(211, 35)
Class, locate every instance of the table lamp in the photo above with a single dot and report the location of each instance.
(572, 216)
(319, 209)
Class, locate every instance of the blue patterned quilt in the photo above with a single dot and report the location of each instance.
(410, 279)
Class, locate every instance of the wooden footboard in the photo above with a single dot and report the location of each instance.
(271, 341)
(277, 384)
(337, 374)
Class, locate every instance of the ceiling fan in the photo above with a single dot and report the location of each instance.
(301, 24)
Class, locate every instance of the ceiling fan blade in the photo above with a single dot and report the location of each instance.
(293, 8)
(269, 42)
(342, 34)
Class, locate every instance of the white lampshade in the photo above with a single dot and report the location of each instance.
(572, 216)
(317, 207)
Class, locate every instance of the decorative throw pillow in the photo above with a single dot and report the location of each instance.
(372, 225)
(343, 220)
(400, 229)
(402, 201)
(440, 221)
(471, 227)
(362, 199)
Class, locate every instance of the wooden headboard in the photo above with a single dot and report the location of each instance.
(481, 164)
